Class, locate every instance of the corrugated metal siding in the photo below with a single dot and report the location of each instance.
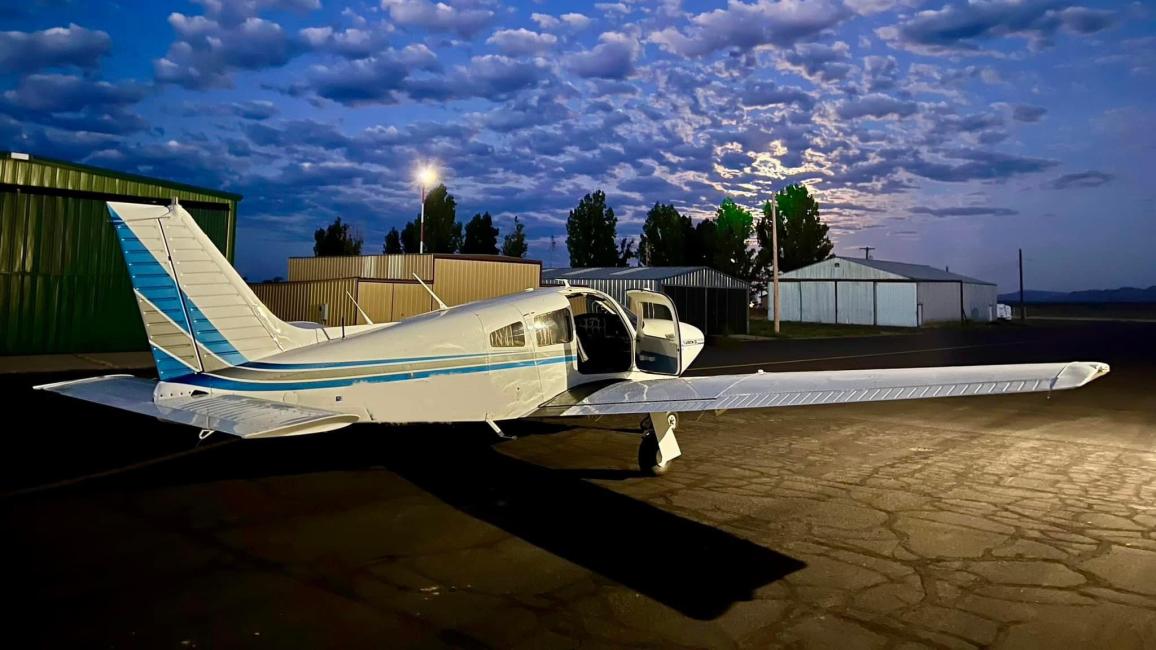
(458, 281)
(839, 269)
(387, 302)
(615, 288)
(895, 304)
(979, 302)
(301, 301)
(817, 302)
(378, 267)
(939, 301)
(856, 303)
(63, 283)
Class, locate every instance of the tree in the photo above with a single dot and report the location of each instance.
(514, 244)
(667, 238)
(392, 242)
(702, 244)
(481, 236)
(734, 226)
(591, 233)
(625, 252)
(336, 239)
(803, 236)
(443, 232)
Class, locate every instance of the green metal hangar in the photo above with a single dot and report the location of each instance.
(712, 301)
(878, 292)
(64, 287)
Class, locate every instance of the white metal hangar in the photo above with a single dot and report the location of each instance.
(712, 301)
(878, 292)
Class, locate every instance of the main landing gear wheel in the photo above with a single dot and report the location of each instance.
(649, 458)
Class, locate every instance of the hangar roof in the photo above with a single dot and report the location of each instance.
(916, 272)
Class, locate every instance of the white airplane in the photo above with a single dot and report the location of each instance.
(225, 363)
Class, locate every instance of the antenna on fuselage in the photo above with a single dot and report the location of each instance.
(368, 320)
(441, 305)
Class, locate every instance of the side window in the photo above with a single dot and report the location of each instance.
(510, 336)
(553, 328)
(656, 311)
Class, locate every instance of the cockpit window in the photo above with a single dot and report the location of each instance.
(510, 336)
(553, 328)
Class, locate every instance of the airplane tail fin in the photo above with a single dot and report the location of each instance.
(199, 314)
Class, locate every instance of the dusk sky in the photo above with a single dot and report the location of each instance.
(948, 134)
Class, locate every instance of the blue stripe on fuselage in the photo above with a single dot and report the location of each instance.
(225, 383)
(272, 365)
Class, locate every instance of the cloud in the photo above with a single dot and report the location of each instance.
(75, 103)
(26, 52)
(438, 17)
(742, 26)
(612, 58)
(966, 211)
(206, 51)
(570, 21)
(818, 62)
(978, 165)
(375, 79)
(1026, 113)
(958, 28)
(517, 42)
(765, 94)
(1081, 180)
(875, 105)
(353, 43)
(490, 76)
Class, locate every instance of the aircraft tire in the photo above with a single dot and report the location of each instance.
(648, 455)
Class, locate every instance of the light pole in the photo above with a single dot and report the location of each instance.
(425, 177)
(775, 257)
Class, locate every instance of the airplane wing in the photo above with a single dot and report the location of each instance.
(247, 417)
(766, 390)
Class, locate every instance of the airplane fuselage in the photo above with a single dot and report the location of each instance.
(490, 360)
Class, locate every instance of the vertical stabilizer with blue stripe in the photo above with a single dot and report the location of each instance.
(199, 314)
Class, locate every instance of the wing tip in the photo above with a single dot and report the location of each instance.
(1080, 373)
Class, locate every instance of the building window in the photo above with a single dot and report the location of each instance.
(553, 328)
(510, 336)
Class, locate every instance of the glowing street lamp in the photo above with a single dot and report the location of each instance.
(425, 177)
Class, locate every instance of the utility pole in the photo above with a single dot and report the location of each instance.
(1023, 309)
(867, 251)
(775, 257)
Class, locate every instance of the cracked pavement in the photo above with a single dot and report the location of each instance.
(1009, 521)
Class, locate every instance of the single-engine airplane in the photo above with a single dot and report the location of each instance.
(225, 363)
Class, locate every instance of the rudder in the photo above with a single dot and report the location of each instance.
(198, 313)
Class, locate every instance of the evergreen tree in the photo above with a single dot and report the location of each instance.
(443, 232)
(514, 244)
(392, 242)
(667, 238)
(591, 233)
(336, 239)
(481, 236)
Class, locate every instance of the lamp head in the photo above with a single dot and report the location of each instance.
(427, 175)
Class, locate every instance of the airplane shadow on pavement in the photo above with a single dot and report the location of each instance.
(694, 568)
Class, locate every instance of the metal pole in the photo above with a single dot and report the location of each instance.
(1023, 310)
(775, 257)
(421, 234)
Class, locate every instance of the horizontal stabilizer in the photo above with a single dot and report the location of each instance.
(247, 417)
(767, 390)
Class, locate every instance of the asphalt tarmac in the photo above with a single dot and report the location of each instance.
(1006, 521)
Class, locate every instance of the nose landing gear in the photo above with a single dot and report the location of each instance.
(658, 446)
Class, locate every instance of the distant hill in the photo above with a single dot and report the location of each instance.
(1123, 294)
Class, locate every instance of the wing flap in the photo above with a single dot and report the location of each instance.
(768, 390)
(247, 417)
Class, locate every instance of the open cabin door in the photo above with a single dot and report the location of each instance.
(658, 343)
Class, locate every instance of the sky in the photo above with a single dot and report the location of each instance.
(949, 134)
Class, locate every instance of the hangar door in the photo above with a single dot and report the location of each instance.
(856, 303)
(712, 310)
(895, 304)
